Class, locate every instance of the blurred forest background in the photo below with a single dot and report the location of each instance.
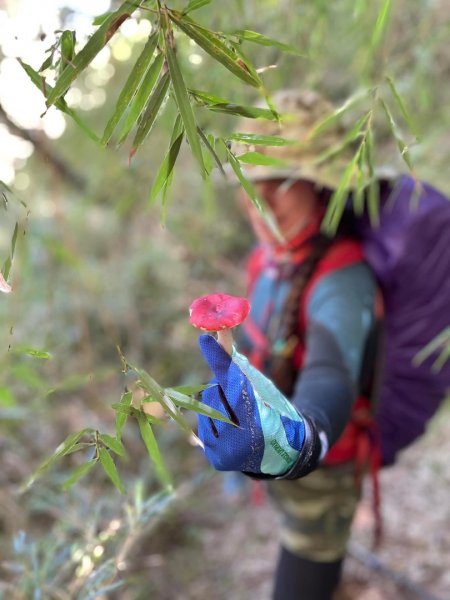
(97, 266)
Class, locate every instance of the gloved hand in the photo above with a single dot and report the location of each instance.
(270, 431)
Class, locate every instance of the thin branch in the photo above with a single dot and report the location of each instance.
(61, 168)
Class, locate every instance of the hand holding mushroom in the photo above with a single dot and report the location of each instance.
(268, 438)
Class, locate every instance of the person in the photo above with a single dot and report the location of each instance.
(298, 386)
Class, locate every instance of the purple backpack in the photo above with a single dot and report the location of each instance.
(410, 255)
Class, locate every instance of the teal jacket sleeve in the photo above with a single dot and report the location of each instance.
(340, 319)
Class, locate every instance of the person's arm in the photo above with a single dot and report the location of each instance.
(340, 316)
(271, 436)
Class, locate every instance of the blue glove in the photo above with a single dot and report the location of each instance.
(270, 432)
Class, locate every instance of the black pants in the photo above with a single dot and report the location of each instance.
(301, 579)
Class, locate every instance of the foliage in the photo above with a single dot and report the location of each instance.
(101, 266)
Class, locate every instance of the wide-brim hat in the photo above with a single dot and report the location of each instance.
(309, 154)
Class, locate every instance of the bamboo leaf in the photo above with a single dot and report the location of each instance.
(147, 95)
(60, 104)
(351, 136)
(412, 126)
(151, 112)
(217, 104)
(252, 194)
(255, 139)
(184, 106)
(131, 86)
(194, 5)
(174, 412)
(436, 343)
(257, 38)
(62, 450)
(258, 158)
(358, 195)
(121, 416)
(380, 24)
(80, 446)
(93, 46)
(189, 403)
(401, 144)
(110, 469)
(67, 49)
(338, 200)
(190, 390)
(34, 352)
(216, 48)
(441, 359)
(164, 174)
(336, 114)
(112, 443)
(8, 262)
(148, 384)
(77, 474)
(208, 143)
(151, 444)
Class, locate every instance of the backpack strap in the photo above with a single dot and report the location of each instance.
(343, 253)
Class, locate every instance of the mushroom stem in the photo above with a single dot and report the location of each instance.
(225, 339)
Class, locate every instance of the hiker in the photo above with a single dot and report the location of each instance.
(313, 332)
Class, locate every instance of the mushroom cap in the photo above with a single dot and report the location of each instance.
(218, 311)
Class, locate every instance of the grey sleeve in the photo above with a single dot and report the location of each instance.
(340, 316)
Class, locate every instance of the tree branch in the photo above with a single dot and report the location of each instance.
(64, 170)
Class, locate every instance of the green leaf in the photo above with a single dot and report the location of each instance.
(113, 443)
(216, 48)
(258, 158)
(62, 450)
(336, 114)
(252, 194)
(173, 411)
(93, 46)
(153, 450)
(190, 390)
(146, 96)
(164, 174)
(8, 262)
(380, 24)
(110, 469)
(131, 86)
(255, 139)
(80, 446)
(401, 144)
(412, 126)
(436, 343)
(77, 474)
(189, 403)
(208, 143)
(351, 136)
(150, 114)
(121, 416)
(338, 200)
(42, 354)
(67, 49)
(184, 106)
(217, 104)
(60, 104)
(7, 398)
(257, 38)
(148, 384)
(358, 194)
(194, 5)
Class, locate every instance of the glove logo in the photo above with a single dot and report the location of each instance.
(279, 450)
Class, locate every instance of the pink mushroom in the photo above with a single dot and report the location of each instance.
(219, 312)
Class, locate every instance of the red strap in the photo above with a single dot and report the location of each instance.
(342, 254)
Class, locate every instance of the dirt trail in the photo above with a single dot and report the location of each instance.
(218, 549)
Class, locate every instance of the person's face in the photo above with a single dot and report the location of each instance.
(292, 205)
